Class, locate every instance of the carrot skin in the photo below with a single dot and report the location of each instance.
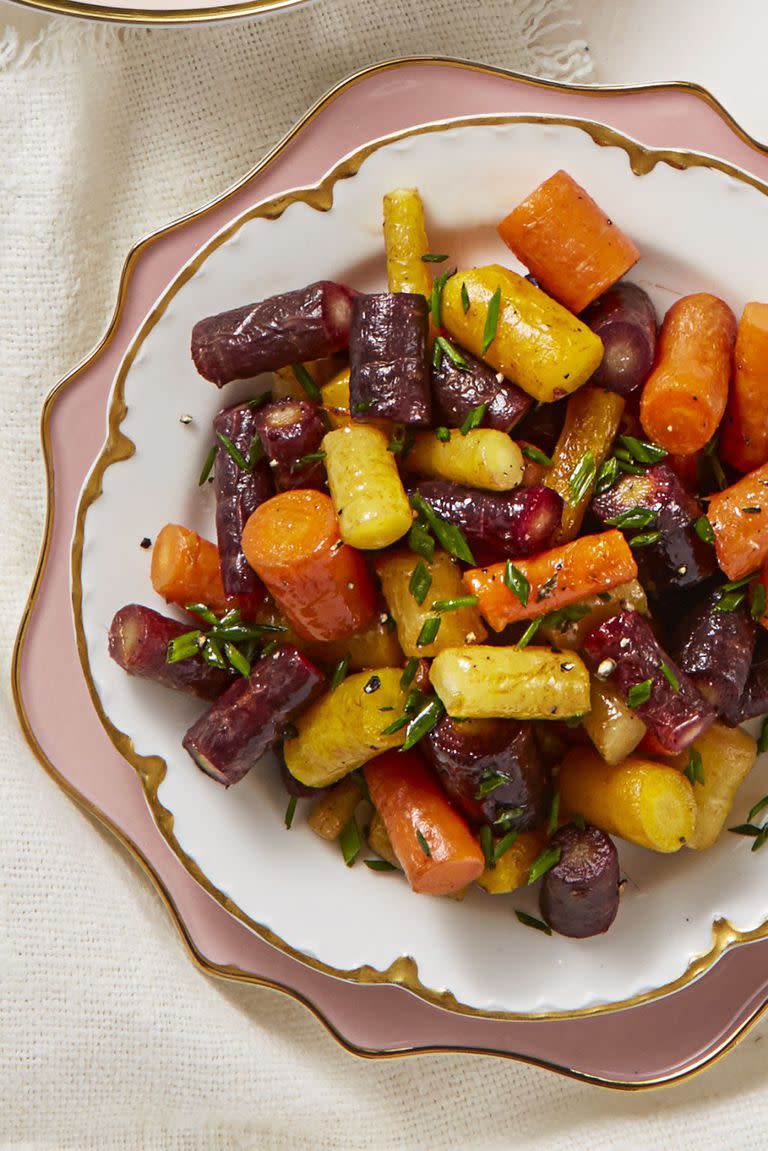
(567, 242)
(186, 569)
(409, 800)
(561, 576)
(741, 534)
(684, 397)
(744, 435)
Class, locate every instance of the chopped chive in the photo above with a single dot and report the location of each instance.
(233, 451)
(423, 843)
(443, 435)
(762, 739)
(448, 535)
(420, 541)
(761, 838)
(434, 257)
(670, 676)
(455, 604)
(395, 725)
(491, 781)
(420, 582)
(453, 354)
(711, 453)
(642, 451)
(644, 539)
(309, 458)
(237, 659)
(752, 511)
(212, 654)
(429, 630)
(350, 842)
(259, 401)
(184, 646)
(577, 819)
(629, 469)
(502, 847)
(730, 600)
(402, 441)
(633, 518)
(758, 807)
(703, 529)
(757, 605)
(531, 452)
(437, 357)
(531, 921)
(546, 589)
(208, 465)
(307, 383)
(428, 716)
(379, 865)
(203, 611)
(547, 860)
(360, 783)
(554, 815)
(735, 584)
(290, 811)
(491, 321)
(464, 297)
(747, 829)
(413, 701)
(340, 672)
(255, 452)
(362, 406)
(473, 419)
(694, 769)
(408, 676)
(516, 582)
(506, 814)
(529, 632)
(581, 478)
(639, 693)
(486, 846)
(607, 475)
(268, 648)
(436, 303)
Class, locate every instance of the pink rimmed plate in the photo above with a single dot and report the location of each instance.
(381, 100)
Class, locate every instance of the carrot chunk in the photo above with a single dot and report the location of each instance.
(321, 584)
(739, 519)
(567, 242)
(744, 437)
(556, 578)
(186, 569)
(685, 395)
(436, 849)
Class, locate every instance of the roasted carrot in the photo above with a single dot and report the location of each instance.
(321, 584)
(405, 239)
(435, 847)
(739, 519)
(744, 436)
(512, 870)
(567, 242)
(185, 569)
(556, 578)
(684, 397)
(591, 422)
(335, 397)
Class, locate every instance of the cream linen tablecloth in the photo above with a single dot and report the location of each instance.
(109, 1038)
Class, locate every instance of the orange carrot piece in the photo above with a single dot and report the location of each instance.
(684, 397)
(185, 569)
(739, 519)
(744, 436)
(436, 849)
(567, 242)
(686, 468)
(322, 585)
(561, 576)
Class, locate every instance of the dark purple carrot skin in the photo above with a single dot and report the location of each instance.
(308, 324)
(678, 559)
(542, 425)
(389, 358)
(498, 525)
(290, 430)
(579, 896)
(754, 701)
(625, 320)
(456, 391)
(229, 738)
(238, 494)
(465, 755)
(714, 649)
(138, 642)
(625, 651)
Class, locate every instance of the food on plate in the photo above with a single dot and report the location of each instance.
(482, 584)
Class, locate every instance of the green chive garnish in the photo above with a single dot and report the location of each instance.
(208, 465)
(757, 606)
(695, 767)
(408, 676)
(554, 815)
(464, 297)
(607, 475)
(212, 654)
(429, 630)
(379, 865)
(237, 659)
(486, 845)
(491, 781)
(491, 321)
(642, 451)
(547, 860)
(423, 843)
(730, 600)
(184, 647)
(428, 716)
(420, 541)
(529, 632)
(502, 847)
(307, 383)
(203, 611)
(473, 419)
(420, 582)
(447, 534)
(531, 452)
(633, 518)
(233, 451)
(762, 739)
(577, 819)
(670, 676)
(456, 604)
(703, 529)
(531, 921)
(581, 479)
(758, 807)
(516, 582)
(443, 435)
(350, 841)
(434, 257)
(436, 303)
(309, 458)
(644, 539)
(340, 672)
(747, 829)
(260, 401)
(453, 354)
(290, 811)
(639, 693)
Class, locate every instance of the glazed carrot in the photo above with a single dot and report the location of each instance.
(435, 847)
(321, 584)
(739, 519)
(567, 242)
(744, 436)
(511, 871)
(185, 569)
(684, 397)
(556, 578)
(335, 397)
(405, 239)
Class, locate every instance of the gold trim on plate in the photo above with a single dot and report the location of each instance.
(403, 971)
(148, 16)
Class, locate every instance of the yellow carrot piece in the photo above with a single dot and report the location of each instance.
(614, 728)
(379, 841)
(511, 871)
(483, 458)
(343, 729)
(334, 809)
(405, 240)
(529, 683)
(376, 645)
(645, 802)
(545, 349)
(728, 755)
(366, 488)
(462, 626)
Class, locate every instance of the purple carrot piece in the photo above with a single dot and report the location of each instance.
(456, 391)
(625, 320)
(291, 431)
(389, 358)
(138, 642)
(239, 491)
(625, 651)
(492, 771)
(754, 701)
(308, 324)
(714, 648)
(579, 896)
(229, 738)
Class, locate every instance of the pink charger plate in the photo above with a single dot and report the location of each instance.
(658, 1042)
